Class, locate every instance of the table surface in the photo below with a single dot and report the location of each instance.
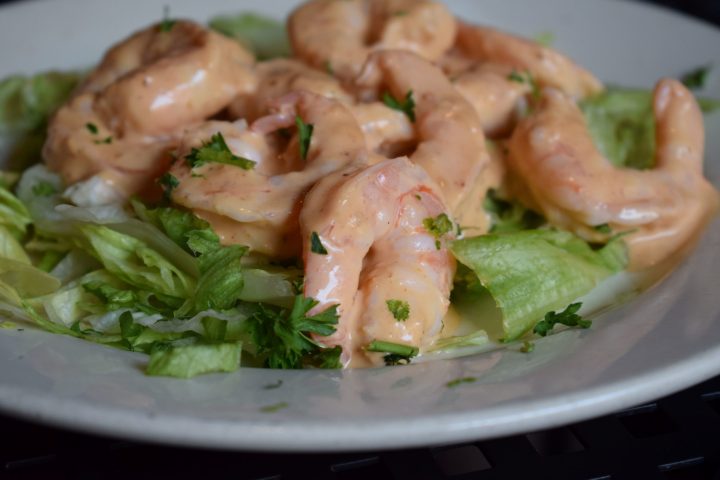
(672, 438)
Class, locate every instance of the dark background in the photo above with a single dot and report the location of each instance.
(673, 438)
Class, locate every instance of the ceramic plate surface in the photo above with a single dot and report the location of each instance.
(662, 341)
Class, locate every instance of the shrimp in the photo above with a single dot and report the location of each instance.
(451, 144)
(340, 35)
(547, 66)
(496, 97)
(277, 77)
(259, 207)
(127, 114)
(576, 188)
(370, 222)
(386, 130)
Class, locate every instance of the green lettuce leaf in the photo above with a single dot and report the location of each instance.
(533, 272)
(265, 37)
(27, 102)
(14, 216)
(622, 125)
(187, 361)
(136, 264)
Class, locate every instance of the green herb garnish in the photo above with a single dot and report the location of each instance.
(43, 189)
(696, 79)
(169, 183)
(305, 131)
(399, 309)
(567, 317)
(216, 151)
(316, 245)
(459, 381)
(407, 106)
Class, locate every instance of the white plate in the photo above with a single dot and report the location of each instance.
(663, 341)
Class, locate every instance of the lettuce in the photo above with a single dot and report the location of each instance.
(27, 102)
(622, 125)
(187, 361)
(135, 263)
(265, 37)
(533, 272)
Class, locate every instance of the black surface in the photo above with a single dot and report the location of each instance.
(676, 438)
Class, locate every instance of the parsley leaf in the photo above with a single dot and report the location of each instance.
(43, 189)
(92, 128)
(305, 131)
(526, 77)
(406, 106)
(316, 245)
(216, 151)
(459, 381)
(167, 23)
(568, 317)
(105, 141)
(169, 182)
(697, 78)
(438, 227)
(397, 354)
(399, 308)
(604, 228)
(282, 337)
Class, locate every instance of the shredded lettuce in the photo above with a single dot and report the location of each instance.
(265, 37)
(533, 272)
(187, 361)
(622, 125)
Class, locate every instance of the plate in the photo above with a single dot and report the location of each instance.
(662, 341)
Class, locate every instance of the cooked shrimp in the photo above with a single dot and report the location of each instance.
(370, 222)
(578, 189)
(277, 77)
(340, 35)
(451, 144)
(496, 97)
(259, 207)
(129, 110)
(547, 66)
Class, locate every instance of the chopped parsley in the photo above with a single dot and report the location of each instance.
(167, 23)
(169, 183)
(526, 78)
(276, 407)
(567, 317)
(105, 141)
(329, 68)
(407, 106)
(697, 78)
(604, 228)
(527, 347)
(283, 338)
(216, 151)
(92, 128)
(459, 381)
(399, 309)
(305, 131)
(273, 386)
(43, 189)
(397, 354)
(316, 245)
(438, 226)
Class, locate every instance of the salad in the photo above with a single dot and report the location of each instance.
(334, 192)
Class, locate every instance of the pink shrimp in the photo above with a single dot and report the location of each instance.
(259, 207)
(340, 35)
(128, 112)
(576, 188)
(370, 221)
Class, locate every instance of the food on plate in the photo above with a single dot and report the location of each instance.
(337, 195)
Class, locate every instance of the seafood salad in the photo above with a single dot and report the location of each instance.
(340, 190)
